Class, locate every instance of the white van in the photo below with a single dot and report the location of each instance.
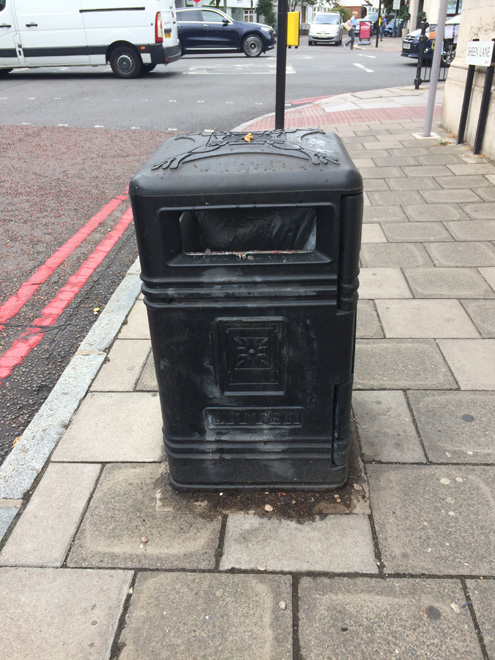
(133, 36)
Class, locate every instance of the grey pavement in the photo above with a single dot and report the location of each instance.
(102, 558)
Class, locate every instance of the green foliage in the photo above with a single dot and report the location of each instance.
(265, 7)
(344, 12)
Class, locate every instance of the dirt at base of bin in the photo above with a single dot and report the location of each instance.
(293, 504)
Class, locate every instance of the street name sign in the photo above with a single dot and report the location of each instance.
(479, 52)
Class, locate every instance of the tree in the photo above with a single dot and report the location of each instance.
(265, 8)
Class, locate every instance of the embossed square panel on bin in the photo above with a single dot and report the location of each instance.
(249, 249)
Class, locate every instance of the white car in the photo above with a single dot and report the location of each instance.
(326, 29)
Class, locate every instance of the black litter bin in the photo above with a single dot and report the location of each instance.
(249, 249)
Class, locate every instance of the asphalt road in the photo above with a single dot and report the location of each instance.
(198, 92)
(71, 139)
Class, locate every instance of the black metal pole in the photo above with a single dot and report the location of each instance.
(421, 49)
(281, 64)
(485, 104)
(378, 23)
(465, 103)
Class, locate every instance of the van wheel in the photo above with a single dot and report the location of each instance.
(252, 46)
(125, 63)
(4, 72)
(148, 68)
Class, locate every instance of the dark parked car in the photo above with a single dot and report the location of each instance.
(212, 31)
(410, 45)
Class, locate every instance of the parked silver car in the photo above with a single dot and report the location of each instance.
(326, 29)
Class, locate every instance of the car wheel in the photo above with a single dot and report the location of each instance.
(148, 68)
(310, 43)
(4, 72)
(252, 46)
(448, 54)
(125, 62)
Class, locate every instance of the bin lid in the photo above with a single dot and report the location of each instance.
(226, 163)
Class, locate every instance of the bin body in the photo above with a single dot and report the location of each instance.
(249, 250)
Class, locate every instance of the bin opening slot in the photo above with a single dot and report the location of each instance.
(258, 229)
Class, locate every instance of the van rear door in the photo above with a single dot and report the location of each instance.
(52, 32)
(8, 42)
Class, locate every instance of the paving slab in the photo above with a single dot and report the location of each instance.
(440, 159)
(394, 161)
(482, 211)
(123, 366)
(469, 230)
(381, 172)
(372, 233)
(466, 181)
(434, 212)
(416, 183)
(447, 283)
(368, 323)
(458, 195)
(425, 318)
(482, 313)
(482, 594)
(400, 364)
(462, 254)
(426, 170)
(415, 232)
(43, 533)
(114, 426)
(54, 614)
(488, 194)
(390, 255)
(147, 381)
(489, 275)
(386, 429)
(123, 511)
(384, 214)
(472, 361)
(393, 618)
(395, 198)
(472, 168)
(373, 185)
(382, 283)
(428, 518)
(136, 325)
(185, 616)
(456, 427)
(341, 544)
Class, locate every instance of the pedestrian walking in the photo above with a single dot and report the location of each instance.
(352, 23)
(383, 25)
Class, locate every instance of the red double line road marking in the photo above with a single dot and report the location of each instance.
(31, 337)
(13, 304)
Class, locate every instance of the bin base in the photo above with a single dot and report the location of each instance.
(256, 473)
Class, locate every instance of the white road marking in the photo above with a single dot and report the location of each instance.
(25, 123)
(172, 100)
(62, 124)
(372, 57)
(238, 69)
(171, 129)
(199, 101)
(229, 102)
(361, 66)
(135, 128)
(99, 126)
